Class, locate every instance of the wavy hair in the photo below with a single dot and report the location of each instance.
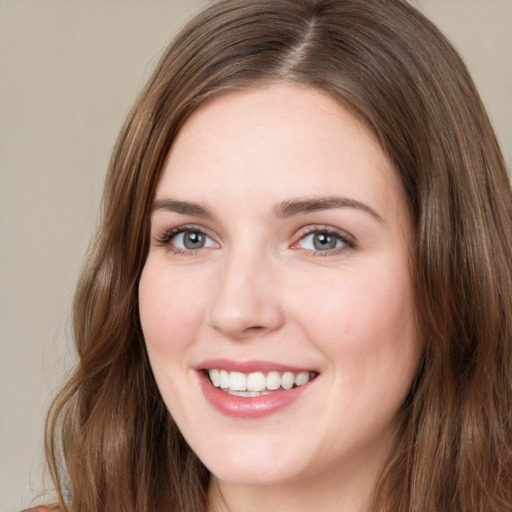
(109, 436)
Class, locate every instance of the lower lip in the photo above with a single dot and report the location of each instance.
(247, 407)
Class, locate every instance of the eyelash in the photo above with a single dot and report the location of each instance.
(348, 242)
(166, 238)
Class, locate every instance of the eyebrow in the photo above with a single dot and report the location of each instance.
(302, 206)
(183, 207)
(289, 208)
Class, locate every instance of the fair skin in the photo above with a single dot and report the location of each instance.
(280, 244)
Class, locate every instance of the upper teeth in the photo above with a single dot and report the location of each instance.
(257, 381)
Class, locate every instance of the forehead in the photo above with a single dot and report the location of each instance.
(277, 141)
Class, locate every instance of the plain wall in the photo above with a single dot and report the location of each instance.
(69, 71)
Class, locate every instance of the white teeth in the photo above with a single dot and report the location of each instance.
(257, 383)
(223, 379)
(288, 380)
(273, 380)
(301, 378)
(237, 381)
(249, 394)
(215, 377)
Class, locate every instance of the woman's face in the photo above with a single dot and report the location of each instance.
(279, 262)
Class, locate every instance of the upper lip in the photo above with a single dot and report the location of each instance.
(249, 366)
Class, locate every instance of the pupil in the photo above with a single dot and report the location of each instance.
(324, 241)
(193, 240)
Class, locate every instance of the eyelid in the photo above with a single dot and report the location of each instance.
(165, 237)
(349, 241)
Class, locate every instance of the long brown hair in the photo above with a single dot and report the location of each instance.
(110, 439)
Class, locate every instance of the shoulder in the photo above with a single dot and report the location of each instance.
(42, 509)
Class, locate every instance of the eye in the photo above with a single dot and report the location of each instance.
(183, 239)
(191, 240)
(325, 240)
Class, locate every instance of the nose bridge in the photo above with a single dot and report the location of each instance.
(246, 299)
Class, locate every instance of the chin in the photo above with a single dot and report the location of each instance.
(259, 463)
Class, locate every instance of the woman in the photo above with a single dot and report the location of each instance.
(300, 295)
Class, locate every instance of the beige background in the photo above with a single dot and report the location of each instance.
(69, 70)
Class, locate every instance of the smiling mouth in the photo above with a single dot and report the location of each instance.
(257, 384)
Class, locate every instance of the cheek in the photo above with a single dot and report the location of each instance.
(169, 310)
(364, 321)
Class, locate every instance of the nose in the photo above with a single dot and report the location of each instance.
(247, 300)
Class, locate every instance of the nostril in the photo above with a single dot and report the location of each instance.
(255, 328)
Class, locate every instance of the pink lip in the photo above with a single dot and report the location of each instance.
(246, 407)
